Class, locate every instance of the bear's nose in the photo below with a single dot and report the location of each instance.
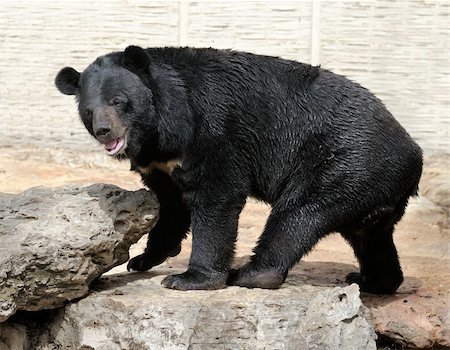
(101, 126)
(102, 130)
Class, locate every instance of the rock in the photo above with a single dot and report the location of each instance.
(56, 241)
(133, 311)
(413, 320)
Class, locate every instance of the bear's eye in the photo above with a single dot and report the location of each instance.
(88, 113)
(116, 101)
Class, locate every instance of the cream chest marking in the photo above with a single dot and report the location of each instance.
(162, 166)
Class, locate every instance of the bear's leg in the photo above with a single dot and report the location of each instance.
(380, 271)
(288, 235)
(164, 240)
(214, 230)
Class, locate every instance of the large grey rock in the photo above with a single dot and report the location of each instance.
(55, 241)
(133, 311)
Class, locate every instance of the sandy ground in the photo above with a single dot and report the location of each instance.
(422, 237)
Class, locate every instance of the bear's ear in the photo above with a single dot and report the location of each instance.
(67, 81)
(136, 59)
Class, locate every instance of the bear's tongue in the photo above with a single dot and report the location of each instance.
(114, 146)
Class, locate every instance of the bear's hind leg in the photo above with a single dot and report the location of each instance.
(289, 234)
(380, 271)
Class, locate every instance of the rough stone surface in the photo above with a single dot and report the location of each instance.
(56, 241)
(132, 311)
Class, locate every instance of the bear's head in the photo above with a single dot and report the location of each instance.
(115, 100)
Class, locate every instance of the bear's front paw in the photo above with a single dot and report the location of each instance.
(253, 278)
(192, 279)
(147, 260)
(175, 251)
(143, 262)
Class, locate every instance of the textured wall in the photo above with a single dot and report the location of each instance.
(398, 49)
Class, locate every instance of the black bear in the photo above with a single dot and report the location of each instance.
(321, 149)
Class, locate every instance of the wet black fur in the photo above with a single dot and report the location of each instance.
(321, 149)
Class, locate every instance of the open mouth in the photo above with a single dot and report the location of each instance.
(115, 146)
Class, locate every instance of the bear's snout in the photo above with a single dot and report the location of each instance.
(101, 125)
(106, 124)
(109, 130)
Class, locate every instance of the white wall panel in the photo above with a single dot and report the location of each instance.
(398, 49)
